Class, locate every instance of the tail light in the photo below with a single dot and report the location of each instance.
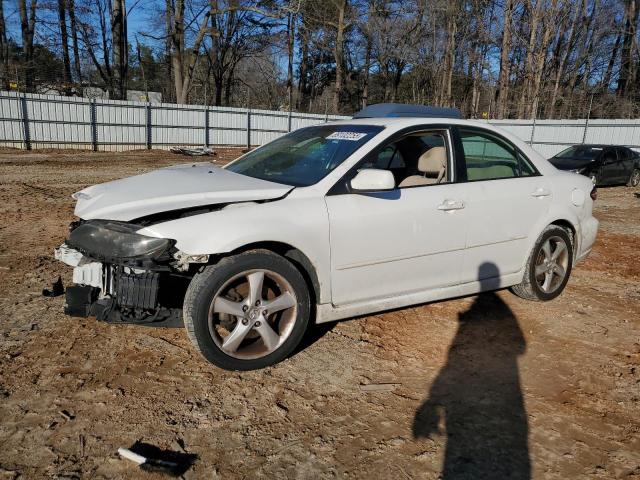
(594, 193)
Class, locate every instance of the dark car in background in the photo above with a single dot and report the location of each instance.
(605, 164)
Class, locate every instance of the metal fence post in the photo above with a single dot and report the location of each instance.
(289, 122)
(25, 122)
(206, 126)
(148, 122)
(586, 122)
(94, 127)
(533, 127)
(248, 129)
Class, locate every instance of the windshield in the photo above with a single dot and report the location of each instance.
(581, 152)
(306, 156)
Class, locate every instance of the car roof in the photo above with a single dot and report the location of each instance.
(401, 122)
(597, 145)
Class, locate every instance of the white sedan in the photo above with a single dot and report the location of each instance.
(326, 223)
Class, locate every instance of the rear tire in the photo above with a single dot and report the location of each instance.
(248, 311)
(634, 179)
(548, 266)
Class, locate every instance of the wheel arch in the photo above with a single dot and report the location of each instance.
(570, 227)
(295, 256)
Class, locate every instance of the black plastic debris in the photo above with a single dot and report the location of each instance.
(57, 289)
(154, 459)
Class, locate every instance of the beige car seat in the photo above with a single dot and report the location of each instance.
(432, 164)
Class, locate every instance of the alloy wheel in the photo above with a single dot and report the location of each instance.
(252, 314)
(551, 265)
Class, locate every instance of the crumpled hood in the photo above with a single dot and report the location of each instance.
(171, 188)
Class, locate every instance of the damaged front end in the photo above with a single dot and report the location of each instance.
(121, 276)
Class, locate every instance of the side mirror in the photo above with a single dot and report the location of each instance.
(372, 179)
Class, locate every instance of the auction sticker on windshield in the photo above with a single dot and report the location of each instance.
(351, 136)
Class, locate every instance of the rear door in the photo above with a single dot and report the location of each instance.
(505, 196)
(626, 158)
(610, 169)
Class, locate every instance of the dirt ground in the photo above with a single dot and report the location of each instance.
(480, 387)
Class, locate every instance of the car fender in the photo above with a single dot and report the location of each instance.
(300, 222)
(562, 210)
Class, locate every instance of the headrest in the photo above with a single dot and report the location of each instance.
(433, 161)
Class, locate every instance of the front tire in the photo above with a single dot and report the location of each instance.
(248, 311)
(548, 267)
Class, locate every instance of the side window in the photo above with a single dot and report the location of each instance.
(386, 159)
(609, 156)
(489, 158)
(526, 167)
(624, 153)
(419, 158)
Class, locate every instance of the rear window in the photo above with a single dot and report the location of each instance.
(581, 152)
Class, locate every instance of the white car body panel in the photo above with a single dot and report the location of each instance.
(428, 243)
(171, 188)
(370, 252)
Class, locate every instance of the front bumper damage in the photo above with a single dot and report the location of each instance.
(118, 293)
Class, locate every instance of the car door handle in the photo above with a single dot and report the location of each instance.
(451, 205)
(541, 192)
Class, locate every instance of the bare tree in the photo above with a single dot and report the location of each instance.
(627, 63)
(4, 51)
(120, 49)
(28, 27)
(505, 51)
(71, 10)
(64, 38)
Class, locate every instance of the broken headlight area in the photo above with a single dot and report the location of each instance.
(118, 243)
(120, 294)
(121, 276)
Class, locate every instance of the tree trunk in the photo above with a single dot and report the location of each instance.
(583, 53)
(527, 85)
(606, 79)
(74, 39)
(4, 51)
(563, 61)
(184, 64)
(449, 62)
(291, 32)
(64, 38)
(365, 73)
(338, 55)
(503, 78)
(303, 72)
(120, 49)
(27, 27)
(540, 59)
(627, 63)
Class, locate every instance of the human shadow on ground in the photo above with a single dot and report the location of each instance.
(476, 399)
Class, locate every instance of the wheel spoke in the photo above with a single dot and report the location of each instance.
(284, 301)
(540, 269)
(560, 247)
(223, 305)
(256, 280)
(558, 270)
(268, 334)
(546, 249)
(547, 281)
(232, 341)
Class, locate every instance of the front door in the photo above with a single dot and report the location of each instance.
(407, 240)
